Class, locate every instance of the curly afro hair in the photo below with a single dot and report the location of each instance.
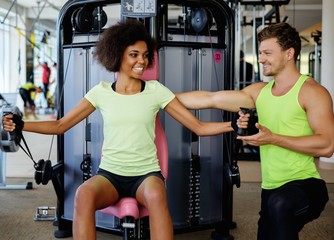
(115, 39)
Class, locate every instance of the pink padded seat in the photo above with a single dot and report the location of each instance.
(129, 206)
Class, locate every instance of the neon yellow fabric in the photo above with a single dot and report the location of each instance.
(129, 127)
(283, 115)
(29, 86)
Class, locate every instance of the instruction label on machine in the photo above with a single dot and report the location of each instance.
(138, 8)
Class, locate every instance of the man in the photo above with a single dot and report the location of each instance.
(26, 90)
(296, 124)
(45, 78)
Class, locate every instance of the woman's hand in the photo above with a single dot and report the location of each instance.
(8, 123)
(242, 121)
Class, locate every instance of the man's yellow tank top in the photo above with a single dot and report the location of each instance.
(283, 115)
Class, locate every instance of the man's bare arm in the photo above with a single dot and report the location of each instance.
(228, 100)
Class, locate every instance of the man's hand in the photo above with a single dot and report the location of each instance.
(263, 137)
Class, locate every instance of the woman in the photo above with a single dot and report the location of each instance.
(129, 165)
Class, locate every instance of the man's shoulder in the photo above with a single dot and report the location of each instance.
(311, 84)
(257, 85)
(254, 89)
(313, 92)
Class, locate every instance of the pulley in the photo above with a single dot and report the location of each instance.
(232, 175)
(200, 20)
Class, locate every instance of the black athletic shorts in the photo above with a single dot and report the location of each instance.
(127, 186)
(25, 95)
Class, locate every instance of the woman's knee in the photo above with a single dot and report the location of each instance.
(155, 197)
(279, 206)
(84, 195)
(95, 193)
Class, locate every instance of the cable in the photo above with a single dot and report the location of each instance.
(27, 150)
(62, 91)
(218, 86)
(60, 97)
